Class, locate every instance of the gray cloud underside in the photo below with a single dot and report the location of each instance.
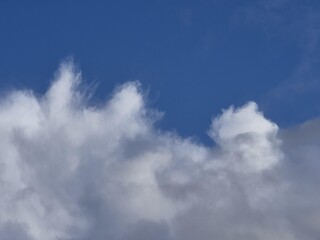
(71, 171)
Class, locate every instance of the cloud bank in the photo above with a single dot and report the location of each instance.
(72, 171)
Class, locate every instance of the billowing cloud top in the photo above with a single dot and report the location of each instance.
(72, 171)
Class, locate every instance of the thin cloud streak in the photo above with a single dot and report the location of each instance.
(295, 22)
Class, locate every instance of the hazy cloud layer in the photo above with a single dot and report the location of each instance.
(72, 171)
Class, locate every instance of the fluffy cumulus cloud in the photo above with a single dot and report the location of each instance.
(73, 171)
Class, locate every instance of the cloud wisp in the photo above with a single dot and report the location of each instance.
(72, 171)
(295, 23)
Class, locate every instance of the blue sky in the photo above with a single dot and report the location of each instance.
(193, 57)
(104, 168)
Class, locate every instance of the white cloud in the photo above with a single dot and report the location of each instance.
(73, 171)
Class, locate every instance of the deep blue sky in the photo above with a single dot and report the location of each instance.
(193, 57)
